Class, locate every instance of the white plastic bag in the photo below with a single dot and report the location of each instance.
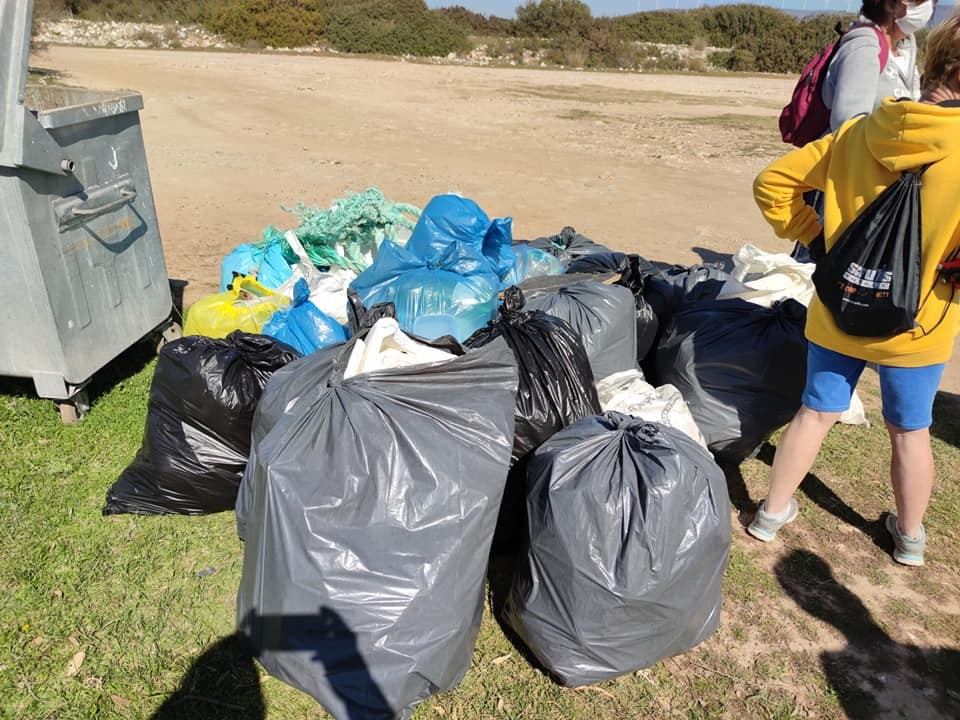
(328, 291)
(387, 346)
(763, 278)
(629, 393)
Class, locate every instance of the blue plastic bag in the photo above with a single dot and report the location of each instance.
(532, 262)
(453, 294)
(449, 219)
(302, 325)
(269, 265)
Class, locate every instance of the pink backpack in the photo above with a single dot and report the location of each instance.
(805, 117)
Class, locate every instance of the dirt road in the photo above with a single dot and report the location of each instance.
(656, 164)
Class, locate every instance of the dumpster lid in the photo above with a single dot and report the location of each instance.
(15, 28)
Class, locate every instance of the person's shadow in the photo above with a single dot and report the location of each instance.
(946, 410)
(222, 684)
(874, 676)
(816, 490)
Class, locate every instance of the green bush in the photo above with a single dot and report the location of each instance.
(677, 27)
(554, 19)
(768, 40)
(280, 23)
(397, 27)
(155, 11)
(475, 23)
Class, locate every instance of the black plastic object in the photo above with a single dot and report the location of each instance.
(605, 318)
(668, 289)
(741, 368)
(632, 270)
(870, 278)
(568, 245)
(631, 267)
(600, 263)
(368, 507)
(556, 386)
(197, 438)
(629, 534)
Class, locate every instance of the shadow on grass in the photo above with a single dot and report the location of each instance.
(499, 578)
(946, 411)
(816, 490)
(222, 683)
(873, 675)
(127, 364)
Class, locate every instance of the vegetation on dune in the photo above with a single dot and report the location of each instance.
(561, 32)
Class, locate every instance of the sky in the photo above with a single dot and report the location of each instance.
(506, 8)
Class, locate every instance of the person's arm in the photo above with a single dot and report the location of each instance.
(856, 68)
(778, 191)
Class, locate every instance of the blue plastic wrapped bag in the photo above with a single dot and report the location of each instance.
(302, 325)
(267, 264)
(532, 262)
(449, 219)
(455, 293)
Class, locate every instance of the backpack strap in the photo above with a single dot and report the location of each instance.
(884, 54)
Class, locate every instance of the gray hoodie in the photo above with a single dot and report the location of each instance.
(855, 85)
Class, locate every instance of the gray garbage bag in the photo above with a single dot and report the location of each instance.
(605, 318)
(629, 527)
(568, 245)
(368, 507)
(741, 368)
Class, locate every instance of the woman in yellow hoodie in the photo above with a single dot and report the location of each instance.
(852, 167)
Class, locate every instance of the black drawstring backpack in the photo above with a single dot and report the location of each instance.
(870, 278)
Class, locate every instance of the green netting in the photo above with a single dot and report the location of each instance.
(347, 234)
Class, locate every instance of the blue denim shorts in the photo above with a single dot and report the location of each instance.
(907, 393)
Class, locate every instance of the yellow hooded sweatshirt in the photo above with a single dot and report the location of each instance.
(852, 167)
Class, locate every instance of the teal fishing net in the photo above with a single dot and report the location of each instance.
(347, 234)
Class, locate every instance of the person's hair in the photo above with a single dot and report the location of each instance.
(879, 12)
(943, 54)
(882, 12)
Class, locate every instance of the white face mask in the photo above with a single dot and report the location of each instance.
(916, 18)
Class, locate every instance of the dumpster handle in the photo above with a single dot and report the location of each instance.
(126, 195)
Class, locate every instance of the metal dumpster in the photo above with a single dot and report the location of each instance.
(82, 274)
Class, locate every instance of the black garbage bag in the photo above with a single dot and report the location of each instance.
(556, 386)
(631, 267)
(741, 368)
(629, 527)
(632, 270)
(600, 263)
(368, 508)
(605, 318)
(568, 245)
(670, 288)
(197, 437)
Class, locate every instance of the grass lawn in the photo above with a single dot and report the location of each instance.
(133, 617)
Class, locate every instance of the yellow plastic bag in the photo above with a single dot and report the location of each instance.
(247, 306)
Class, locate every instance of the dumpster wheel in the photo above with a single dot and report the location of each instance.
(172, 331)
(74, 409)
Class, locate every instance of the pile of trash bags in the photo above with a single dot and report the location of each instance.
(382, 401)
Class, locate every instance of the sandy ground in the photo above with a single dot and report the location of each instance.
(656, 164)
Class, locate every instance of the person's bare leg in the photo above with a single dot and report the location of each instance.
(911, 473)
(796, 452)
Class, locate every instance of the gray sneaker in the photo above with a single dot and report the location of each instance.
(906, 550)
(764, 527)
